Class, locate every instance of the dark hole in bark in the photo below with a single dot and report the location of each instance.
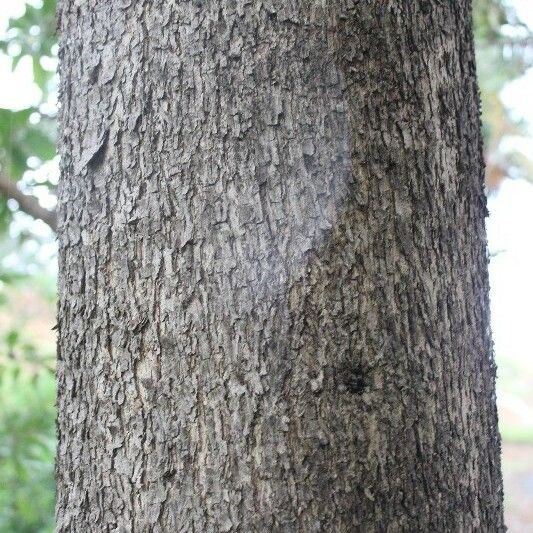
(354, 380)
(425, 7)
(169, 474)
(308, 161)
(98, 157)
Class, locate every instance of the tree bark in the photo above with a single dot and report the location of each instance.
(273, 295)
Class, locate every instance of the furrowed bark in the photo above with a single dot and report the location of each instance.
(273, 296)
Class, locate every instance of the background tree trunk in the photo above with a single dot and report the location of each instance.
(273, 286)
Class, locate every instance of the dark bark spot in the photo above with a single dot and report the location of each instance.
(93, 73)
(355, 383)
(169, 475)
(352, 379)
(97, 158)
(308, 162)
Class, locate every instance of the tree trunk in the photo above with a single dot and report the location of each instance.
(273, 310)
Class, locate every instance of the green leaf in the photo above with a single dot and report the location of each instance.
(11, 338)
(40, 144)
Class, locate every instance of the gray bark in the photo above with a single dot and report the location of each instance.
(273, 296)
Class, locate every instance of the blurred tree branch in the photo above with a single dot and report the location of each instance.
(27, 203)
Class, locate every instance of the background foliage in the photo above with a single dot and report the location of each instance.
(27, 158)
